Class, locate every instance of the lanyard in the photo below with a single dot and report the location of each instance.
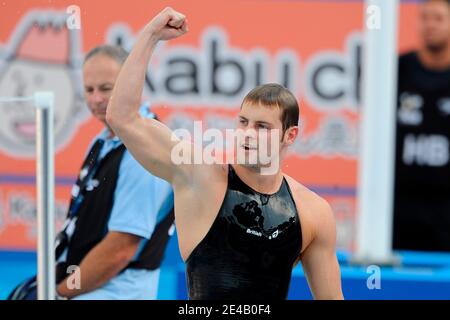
(78, 191)
(83, 183)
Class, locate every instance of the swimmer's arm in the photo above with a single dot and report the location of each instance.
(319, 259)
(148, 140)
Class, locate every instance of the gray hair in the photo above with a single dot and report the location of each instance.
(117, 53)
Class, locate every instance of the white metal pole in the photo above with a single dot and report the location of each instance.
(45, 195)
(45, 186)
(377, 132)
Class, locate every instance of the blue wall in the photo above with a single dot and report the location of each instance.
(422, 276)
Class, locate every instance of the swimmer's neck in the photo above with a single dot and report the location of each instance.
(262, 183)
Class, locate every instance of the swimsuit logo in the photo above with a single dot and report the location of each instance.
(256, 233)
(249, 215)
(274, 235)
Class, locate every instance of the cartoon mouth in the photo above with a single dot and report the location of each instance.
(27, 129)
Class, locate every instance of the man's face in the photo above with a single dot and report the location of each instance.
(99, 75)
(262, 134)
(434, 26)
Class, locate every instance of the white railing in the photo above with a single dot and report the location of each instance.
(45, 186)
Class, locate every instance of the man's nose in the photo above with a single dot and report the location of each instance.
(250, 133)
(98, 97)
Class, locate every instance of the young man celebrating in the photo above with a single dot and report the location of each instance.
(240, 231)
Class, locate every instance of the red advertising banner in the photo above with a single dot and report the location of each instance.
(311, 47)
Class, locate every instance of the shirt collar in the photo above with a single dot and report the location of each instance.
(105, 135)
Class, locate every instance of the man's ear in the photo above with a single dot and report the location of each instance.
(290, 135)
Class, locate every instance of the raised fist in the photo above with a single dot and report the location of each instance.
(168, 24)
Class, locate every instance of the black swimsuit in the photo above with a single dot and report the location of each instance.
(251, 247)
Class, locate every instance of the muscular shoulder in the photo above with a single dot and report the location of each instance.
(307, 199)
(314, 211)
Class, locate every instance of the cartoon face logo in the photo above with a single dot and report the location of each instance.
(22, 79)
(41, 57)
